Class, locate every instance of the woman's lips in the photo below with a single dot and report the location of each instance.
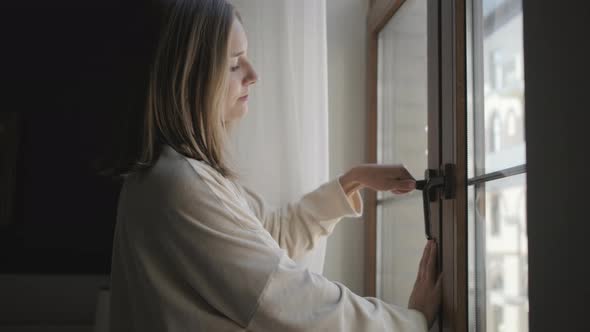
(244, 98)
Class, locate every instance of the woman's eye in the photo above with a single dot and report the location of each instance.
(235, 68)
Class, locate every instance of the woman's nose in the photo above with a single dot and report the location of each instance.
(252, 77)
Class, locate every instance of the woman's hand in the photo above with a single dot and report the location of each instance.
(426, 296)
(393, 178)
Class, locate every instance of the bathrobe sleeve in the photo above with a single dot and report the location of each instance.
(195, 249)
(298, 225)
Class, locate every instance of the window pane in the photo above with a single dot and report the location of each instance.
(496, 86)
(498, 259)
(401, 241)
(402, 138)
(474, 306)
(402, 89)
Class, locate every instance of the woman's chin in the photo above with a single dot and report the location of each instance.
(237, 114)
(242, 112)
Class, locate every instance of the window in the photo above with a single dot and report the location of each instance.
(496, 223)
(402, 131)
(494, 214)
(460, 80)
(495, 133)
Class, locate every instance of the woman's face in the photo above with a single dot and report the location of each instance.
(241, 74)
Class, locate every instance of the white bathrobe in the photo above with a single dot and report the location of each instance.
(194, 251)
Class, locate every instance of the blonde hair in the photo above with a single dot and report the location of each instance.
(186, 89)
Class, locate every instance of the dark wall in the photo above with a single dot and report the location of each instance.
(66, 73)
(557, 74)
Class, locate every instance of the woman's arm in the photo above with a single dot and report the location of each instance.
(298, 225)
(351, 181)
(192, 248)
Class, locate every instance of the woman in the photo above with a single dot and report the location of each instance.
(194, 250)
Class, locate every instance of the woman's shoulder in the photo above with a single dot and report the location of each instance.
(179, 183)
(174, 164)
(176, 174)
(172, 173)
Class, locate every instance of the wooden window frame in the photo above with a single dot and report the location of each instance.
(447, 143)
(453, 85)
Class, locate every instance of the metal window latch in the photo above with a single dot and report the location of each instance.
(432, 181)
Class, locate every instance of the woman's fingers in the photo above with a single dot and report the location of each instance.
(407, 174)
(403, 186)
(407, 184)
(423, 261)
(431, 265)
(400, 192)
(403, 171)
(394, 178)
(427, 293)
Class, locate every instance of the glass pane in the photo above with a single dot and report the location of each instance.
(498, 259)
(402, 138)
(474, 307)
(496, 86)
(401, 235)
(497, 241)
(402, 89)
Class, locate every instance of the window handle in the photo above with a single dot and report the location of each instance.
(433, 181)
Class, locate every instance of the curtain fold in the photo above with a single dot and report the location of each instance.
(281, 145)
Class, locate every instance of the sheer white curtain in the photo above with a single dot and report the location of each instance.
(281, 145)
